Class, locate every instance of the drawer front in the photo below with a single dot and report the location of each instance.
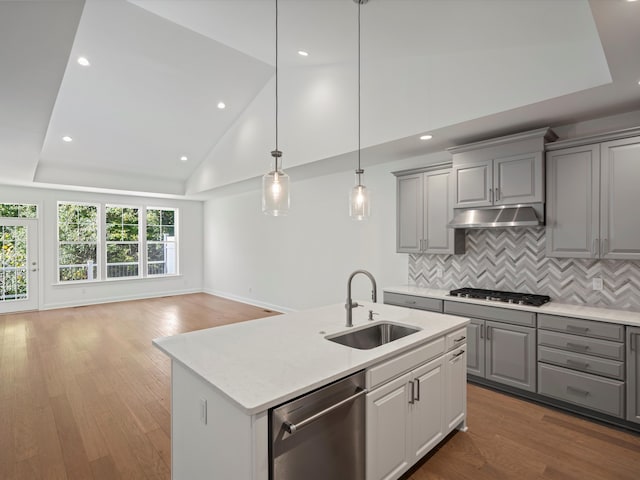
(413, 301)
(584, 345)
(589, 391)
(385, 371)
(506, 315)
(578, 326)
(584, 363)
(456, 339)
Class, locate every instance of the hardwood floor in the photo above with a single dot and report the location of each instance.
(84, 395)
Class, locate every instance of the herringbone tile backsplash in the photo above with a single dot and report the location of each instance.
(514, 259)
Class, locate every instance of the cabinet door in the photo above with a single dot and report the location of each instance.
(475, 347)
(456, 388)
(473, 184)
(409, 215)
(511, 355)
(518, 179)
(438, 211)
(387, 429)
(573, 202)
(633, 374)
(620, 198)
(427, 409)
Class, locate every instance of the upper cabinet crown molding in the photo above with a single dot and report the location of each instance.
(593, 139)
(544, 135)
(426, 168)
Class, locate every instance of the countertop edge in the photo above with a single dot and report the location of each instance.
(599, 314)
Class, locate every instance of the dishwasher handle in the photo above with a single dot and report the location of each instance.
(292, 428)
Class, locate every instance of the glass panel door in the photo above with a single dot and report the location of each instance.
(18, 265)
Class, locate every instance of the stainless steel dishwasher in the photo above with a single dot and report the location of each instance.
(320, 435)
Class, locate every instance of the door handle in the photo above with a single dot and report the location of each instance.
(412, 398)
(292, 428)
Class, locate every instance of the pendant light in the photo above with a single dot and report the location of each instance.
(275, 184)
(359, 197)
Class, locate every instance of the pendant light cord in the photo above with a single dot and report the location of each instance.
(276, 80)
(359, 88)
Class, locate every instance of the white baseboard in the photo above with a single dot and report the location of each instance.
(120, 298)
(250, 301)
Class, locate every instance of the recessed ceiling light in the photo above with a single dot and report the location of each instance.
(302, 53)
(184, 158)
(221, 105)
(426, 137)
(83, 61)
(67, 139)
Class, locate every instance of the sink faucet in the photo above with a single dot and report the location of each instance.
(350, 305)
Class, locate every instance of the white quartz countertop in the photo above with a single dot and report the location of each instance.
(552, 308)
(261, 363)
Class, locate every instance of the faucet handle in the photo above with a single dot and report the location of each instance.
(371, 314)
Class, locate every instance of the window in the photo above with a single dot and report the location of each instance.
(13, 262)
(122, 242)
(18, 210)
(137, 241)
(161, 242)
(77, 242)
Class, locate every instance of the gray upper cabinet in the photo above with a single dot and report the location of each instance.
(501, 181)
(592, 198)
(423, 213)
(633, 374)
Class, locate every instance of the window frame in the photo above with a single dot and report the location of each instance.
(101, 243)
(98, 242)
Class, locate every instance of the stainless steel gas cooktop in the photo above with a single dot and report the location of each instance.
(500, 296)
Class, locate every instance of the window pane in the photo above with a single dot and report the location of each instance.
(155, 252)
(130, 232)
(161, 259)
(77, 253)
(167, 217)
(122, 253)
(114, 233)
(77, 273)
(114, 215)
(153, 217)
(153, 234)
(167, 232)
(28, 211)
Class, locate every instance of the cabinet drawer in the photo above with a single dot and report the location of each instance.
(498, 314)
(391, 368)
(413, 301)
(582, 389)
(585, 363)
(578, 326)
(584, 345)
(456, 339)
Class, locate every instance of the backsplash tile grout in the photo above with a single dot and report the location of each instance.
(514, 259)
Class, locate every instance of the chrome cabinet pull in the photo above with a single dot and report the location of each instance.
(481, 331)
(497, 194)
(417, 389)
(412, 398)
(491, 195)
(570, 361)
(457, 355)
(576, 328)
(410, 302)
(460, 339)
(292, 428)
(577, 346)
(488, 332)
(579, 391)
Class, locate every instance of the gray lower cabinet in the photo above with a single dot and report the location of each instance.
(582, 362)
(497, 350)
(633, 374)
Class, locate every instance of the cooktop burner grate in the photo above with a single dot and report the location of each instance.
(500, 296)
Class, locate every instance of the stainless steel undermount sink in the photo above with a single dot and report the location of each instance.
(373, 336)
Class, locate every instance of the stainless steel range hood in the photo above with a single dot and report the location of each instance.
(531, 215)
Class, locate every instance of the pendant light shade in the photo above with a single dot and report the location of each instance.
(275, 184)
(275, 189)
(359, 197)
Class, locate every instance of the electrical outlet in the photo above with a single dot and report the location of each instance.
(598, 284)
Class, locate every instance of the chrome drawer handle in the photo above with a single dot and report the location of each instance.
(577, 364)
(577, 346)
(457, 355)
(412, 399)
(579, 391)
(292, 428)
(577, 329)
(417, 389)
(456, 340)
(410, 302)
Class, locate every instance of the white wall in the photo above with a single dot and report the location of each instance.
(53, 295)
(303, 260)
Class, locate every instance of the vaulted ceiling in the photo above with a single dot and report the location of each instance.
(460, 70)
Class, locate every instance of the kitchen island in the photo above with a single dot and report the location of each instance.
(225, 380)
